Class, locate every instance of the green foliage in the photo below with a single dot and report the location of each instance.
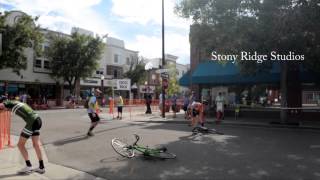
(173, 82)
(16, 38)
(74, 57)
(254, 25)
(136, 73)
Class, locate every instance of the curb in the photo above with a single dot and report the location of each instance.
(11, 161)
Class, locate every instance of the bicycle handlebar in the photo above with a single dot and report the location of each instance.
(137, 139)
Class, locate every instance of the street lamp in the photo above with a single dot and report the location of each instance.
(102, 86)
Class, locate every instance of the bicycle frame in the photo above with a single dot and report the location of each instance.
(144, 150)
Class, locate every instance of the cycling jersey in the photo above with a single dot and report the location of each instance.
(25, 112)
(92, 104)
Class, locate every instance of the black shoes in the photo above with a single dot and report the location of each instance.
(90, 134)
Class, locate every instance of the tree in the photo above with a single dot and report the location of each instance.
(262, 26)
(74, 57)
(173, 87)
(137, 72)
(16, 38)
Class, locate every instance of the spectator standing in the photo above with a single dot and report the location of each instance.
(174, 104)
(120, 106)
(148, 103)
(219, 107)
(185, 105)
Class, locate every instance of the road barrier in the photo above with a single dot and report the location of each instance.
(5, 124)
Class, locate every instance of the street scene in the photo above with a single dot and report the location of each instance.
(243, 152)
(170, 89)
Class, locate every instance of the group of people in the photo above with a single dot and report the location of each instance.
(34, 124)
(93, 109)
(193, 110)
(174, 99)
(196, 111)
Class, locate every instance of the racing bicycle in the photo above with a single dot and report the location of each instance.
(204, 130)
(128, 151)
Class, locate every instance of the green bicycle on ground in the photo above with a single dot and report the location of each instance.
(128, 151)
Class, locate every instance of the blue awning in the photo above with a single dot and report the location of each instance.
(185, 79)
(214, 73)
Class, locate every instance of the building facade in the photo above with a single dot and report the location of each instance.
(154, 78)
(36, 81)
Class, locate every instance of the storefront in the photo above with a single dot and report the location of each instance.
(212, 77)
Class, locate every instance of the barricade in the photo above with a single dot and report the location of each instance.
(134, 106)
(5, 125)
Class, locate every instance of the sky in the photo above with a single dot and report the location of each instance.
(137, 22)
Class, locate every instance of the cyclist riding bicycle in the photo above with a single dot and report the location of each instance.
(32, 128)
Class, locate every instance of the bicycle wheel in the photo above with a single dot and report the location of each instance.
(213, 131)
(122, 148)
(162, 155)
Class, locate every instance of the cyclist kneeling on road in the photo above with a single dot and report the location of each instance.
(32, 128)
(196, 113)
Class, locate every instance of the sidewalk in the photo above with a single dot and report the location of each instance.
(12, 161)
(229, 121)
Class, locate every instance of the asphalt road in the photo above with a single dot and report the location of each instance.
(242, 153)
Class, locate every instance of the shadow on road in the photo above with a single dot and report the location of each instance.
(13, 175)
(70, 140)
(236, 155)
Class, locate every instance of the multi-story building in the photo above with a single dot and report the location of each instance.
(36, 81)
(115, 61)
(170, 60)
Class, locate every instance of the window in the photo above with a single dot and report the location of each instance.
(37, 63)
(128, 61)
(46, 51)
(116, 58)
(182, 72)
(46, 64)
(115, 73)
(133, 59)
(99, 72)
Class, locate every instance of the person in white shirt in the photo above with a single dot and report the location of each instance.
(219, 107)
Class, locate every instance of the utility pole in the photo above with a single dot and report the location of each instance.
(163, 64)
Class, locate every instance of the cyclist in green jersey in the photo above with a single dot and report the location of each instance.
(32, 128)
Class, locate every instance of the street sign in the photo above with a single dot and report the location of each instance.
(124, 84)
(165, 75)
(160, 71)
(147, 89)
